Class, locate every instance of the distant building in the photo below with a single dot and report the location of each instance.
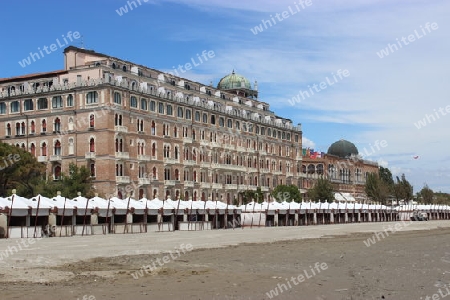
(143, 132)
(342, 165)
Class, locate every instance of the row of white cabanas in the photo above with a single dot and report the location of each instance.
(60, 216)
(43, 206)
(23, 217)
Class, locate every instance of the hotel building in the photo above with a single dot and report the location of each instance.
(146, 133)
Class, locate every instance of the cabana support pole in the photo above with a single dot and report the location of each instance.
(84, 219)
(62, 218)
(37, 215)
(9, 216)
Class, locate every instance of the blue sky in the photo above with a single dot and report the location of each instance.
(381, 99)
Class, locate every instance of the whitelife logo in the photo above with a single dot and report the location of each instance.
(48, 50)
(391, 48)
(280, 17)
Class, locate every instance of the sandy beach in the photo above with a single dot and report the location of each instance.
(314, 262)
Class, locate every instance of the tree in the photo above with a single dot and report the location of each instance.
(77, 180)
(286, 193)
(376, 188)
(386, 176)
(403, 190)
(322, 190)
(426, 194)
(19, 170)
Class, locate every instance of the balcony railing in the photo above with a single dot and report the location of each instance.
(188, 184)
(122, 155)
(168, 160)
(122, 179)
(231, 186)
(55, 157)
(169, 182)
(89, 155)
(187, 140)
(143, 157)
(120, 128)
(217, 185)
(42, 158)
(264, 189)
(144, 181)
(252, 170)
(189, 162)
(205, 185)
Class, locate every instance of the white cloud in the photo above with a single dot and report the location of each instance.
(307, 143)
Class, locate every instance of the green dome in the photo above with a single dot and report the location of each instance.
(234, 81)
(342, 149)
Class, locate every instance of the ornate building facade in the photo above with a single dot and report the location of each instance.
(146, 133)
(343, 166)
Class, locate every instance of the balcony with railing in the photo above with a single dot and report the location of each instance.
(187, 140)
(189, 162)
(205, 185)
(55, 158)
(264, 189)
(217, 186)
(144, 181)
(42, 158)
(89, 155)
(120, 128)
(189, 184)
(168, 160)
(143, 157)
(123, 179)
(122, 155)
(170, 182)
(231, 186)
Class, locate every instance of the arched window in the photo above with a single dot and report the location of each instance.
(91, 121)
(133, 102)
(153, 128)
(188, 114)
(15, 107)
(91, 97)
(57, 102)
(33, 149)
(169, 110)
(2, 108)
(92, 145)
(154, 173)
(57, 173)
(33, 127)
(117, 98)
(180, 112)
(144, 105)
(42, 103)
(92, 168)
(57, 148)
(153, 150)
(44, 126)
(57, 125)
(22, 128)
(71, 147)
(44, 149)
(69, 100)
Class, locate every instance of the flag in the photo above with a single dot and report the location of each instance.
(313, 154)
